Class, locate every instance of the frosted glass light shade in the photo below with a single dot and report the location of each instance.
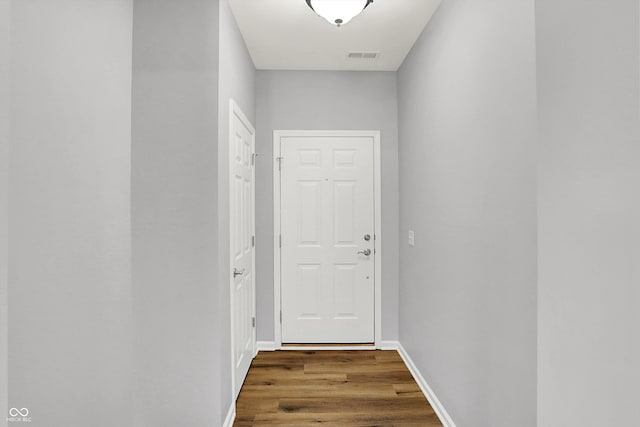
(338, 12)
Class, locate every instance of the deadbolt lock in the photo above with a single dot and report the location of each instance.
(367, 237)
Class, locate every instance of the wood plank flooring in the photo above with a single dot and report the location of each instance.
(353, 388)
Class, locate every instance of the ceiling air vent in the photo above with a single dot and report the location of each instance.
(363, 55)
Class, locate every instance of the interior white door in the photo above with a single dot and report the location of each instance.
(242, 242)
(327, 227)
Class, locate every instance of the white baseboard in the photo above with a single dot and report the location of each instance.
(266, 346)
(426, 390)
(231, 416)
(389, 345)
(271, 346)
(327, 347)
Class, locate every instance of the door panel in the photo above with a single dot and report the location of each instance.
(242, 231)
(327, 207)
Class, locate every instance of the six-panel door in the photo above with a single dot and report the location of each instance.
(242, 245)
(327, 224)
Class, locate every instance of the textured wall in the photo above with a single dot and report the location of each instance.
(177, 328)
(5, 21)
(237, 82)
(322, 100)
(589, 206)
(467, 138)
(69, 212)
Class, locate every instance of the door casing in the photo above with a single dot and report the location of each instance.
(377, 253)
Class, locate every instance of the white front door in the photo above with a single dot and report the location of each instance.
(242, 214)
(327, 227)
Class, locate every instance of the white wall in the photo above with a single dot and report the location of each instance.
(467, 128)
(5, 10)
(177, 327)
(321, 100)
(237, 81)
(589, 210)
(69, 212)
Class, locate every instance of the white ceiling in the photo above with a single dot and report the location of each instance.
(288, 35)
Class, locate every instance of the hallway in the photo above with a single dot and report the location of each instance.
(505, 269)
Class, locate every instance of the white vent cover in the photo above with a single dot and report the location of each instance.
(363, 55)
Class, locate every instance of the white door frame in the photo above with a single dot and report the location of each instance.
(235, 111)
(377, 253)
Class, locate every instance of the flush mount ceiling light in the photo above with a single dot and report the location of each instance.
(338, 12)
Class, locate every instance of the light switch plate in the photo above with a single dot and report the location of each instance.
(412, 238)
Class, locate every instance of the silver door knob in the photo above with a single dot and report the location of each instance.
(366, 252)
(237, 273)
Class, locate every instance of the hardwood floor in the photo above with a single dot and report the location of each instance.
(332, 388)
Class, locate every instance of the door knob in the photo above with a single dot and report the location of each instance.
(237, 273)
(366, 252)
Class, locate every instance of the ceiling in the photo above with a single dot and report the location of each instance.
(288, 35)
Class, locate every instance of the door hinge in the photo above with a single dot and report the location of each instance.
(280, 316)
(253, 158)
(253, 241)
(253, 322)
(280, 241)
(279, 159)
